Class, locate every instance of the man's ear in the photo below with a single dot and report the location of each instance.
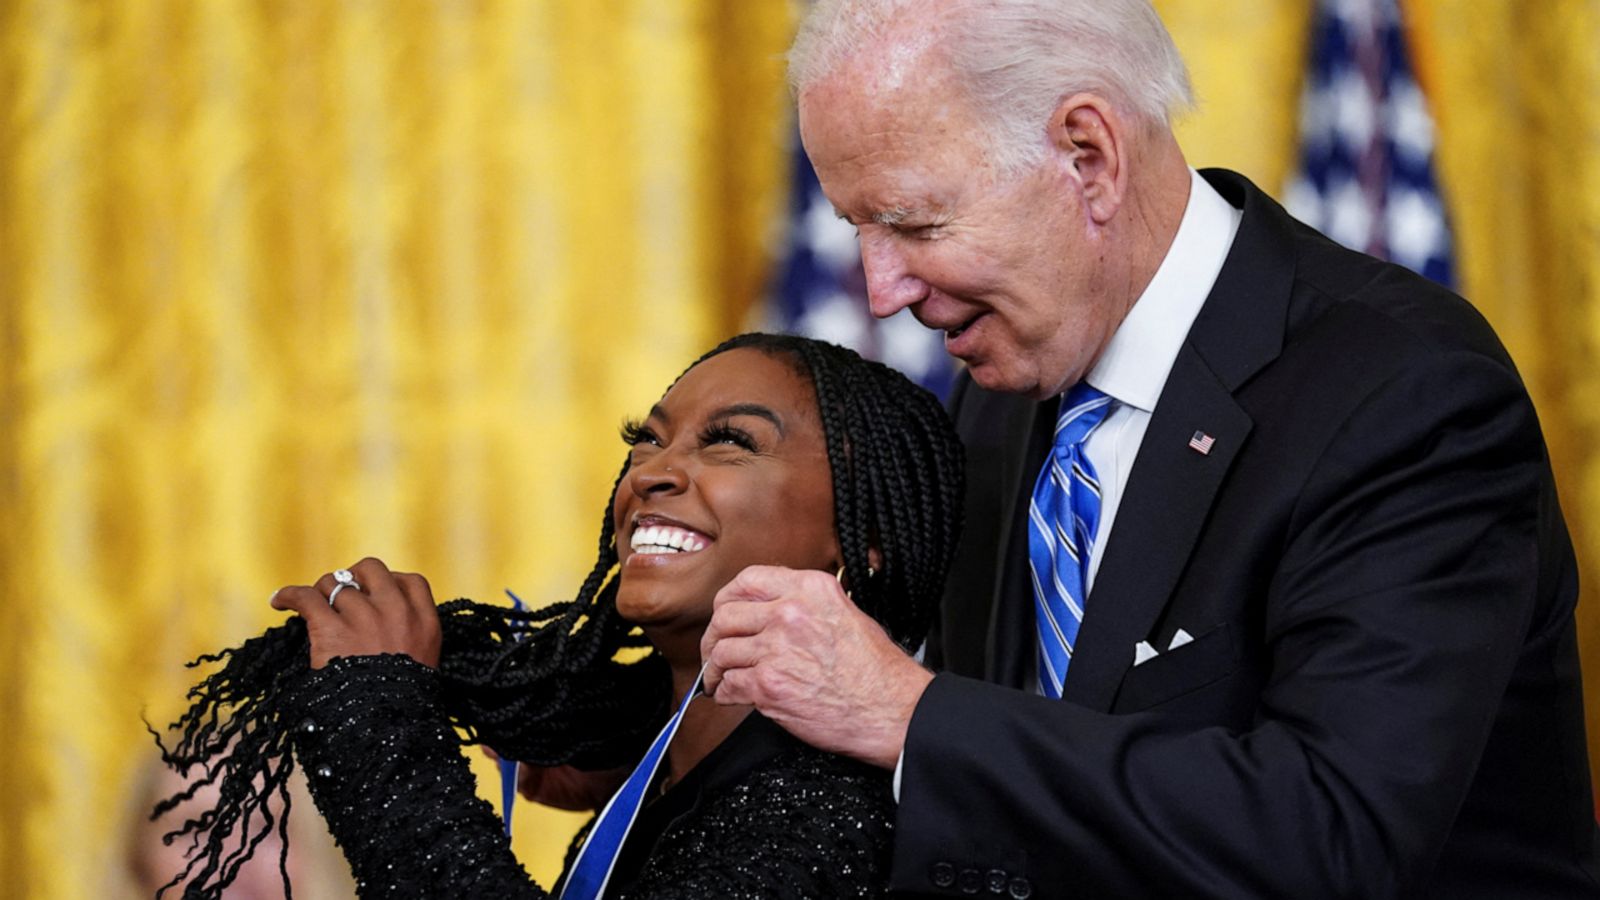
(1093, 138)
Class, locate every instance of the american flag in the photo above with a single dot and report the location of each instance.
(821, 291)
(1366, 142)
(1201, 443)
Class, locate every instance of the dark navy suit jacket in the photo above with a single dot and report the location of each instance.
(1382, 696)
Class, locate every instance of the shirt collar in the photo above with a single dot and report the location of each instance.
(1136, 362)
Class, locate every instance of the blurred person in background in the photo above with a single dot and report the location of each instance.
(311, 861)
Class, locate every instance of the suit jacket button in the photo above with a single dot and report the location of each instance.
(997, 881)
(942, 874)
(971, 881)
(1021, 888)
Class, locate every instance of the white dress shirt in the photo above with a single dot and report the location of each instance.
(1135, 364)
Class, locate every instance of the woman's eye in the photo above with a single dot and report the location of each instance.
(634, 434)
(728, 435)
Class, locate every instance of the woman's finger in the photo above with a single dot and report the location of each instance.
(376, 580)
(309, 602)
(425, 636)
(342, 596)
(337, 591)
(417, 591)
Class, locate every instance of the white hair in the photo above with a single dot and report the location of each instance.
(1016, 59)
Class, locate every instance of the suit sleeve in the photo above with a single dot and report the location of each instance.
(1389, 627)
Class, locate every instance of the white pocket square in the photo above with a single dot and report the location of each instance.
(1143, 652)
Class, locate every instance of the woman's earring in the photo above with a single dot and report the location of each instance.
(839, 576)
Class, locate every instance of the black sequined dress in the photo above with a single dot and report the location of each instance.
(762, 816)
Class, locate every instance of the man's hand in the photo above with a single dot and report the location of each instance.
(793, 645)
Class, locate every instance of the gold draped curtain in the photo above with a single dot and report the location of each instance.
(288, 282)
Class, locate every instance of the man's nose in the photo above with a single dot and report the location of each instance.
(891, 286)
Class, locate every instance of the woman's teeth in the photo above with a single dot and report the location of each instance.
(666, 539)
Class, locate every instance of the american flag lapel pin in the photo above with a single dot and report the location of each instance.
(1201, 443)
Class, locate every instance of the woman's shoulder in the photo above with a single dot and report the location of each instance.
(803, 779)
(803, 769)
(793, 781)
(799, 823)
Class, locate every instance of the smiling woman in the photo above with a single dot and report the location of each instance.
(770, 451)
(729, 470)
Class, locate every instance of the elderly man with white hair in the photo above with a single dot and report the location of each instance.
(1265, 590)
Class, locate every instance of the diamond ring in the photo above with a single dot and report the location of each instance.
(345, 580)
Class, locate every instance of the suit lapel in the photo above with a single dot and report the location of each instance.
(1172, 486)
(1169, 493)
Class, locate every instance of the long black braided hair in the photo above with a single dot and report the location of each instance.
(546, 686)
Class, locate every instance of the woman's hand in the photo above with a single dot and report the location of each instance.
(393, 612)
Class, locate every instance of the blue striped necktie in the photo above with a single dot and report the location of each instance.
(591, 871)
(1062, 519)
